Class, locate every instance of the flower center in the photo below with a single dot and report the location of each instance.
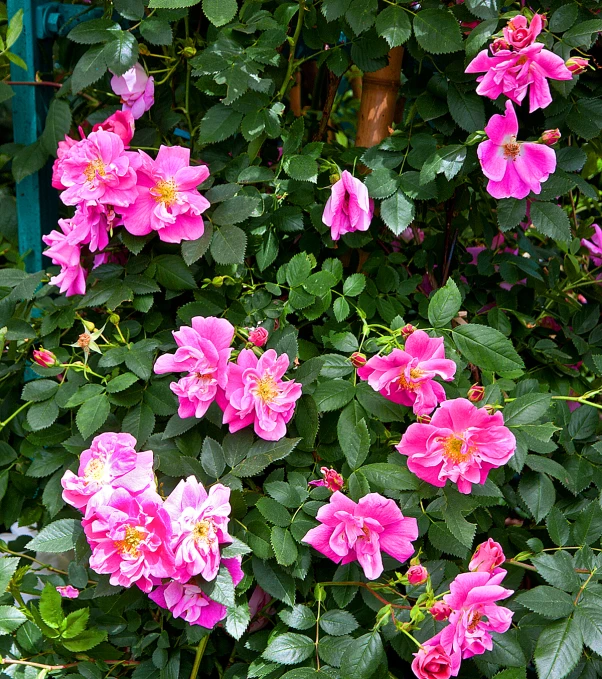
(94, 470)
(415, 374)
(511, 150)
(521, 61)
(129, 545)
(96, 167)
(165, 191)
(475, 620)
(452, 449)
(201, 530)
(266, 389)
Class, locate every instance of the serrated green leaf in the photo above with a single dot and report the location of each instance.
(283, 545)
(229, 245)
(558, 649)
(444, 304)
(92, 415)
(437, 31)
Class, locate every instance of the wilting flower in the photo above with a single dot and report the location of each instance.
(136, 90)
(257, 395)
(360, 532)
(121, 123)
(594, 245)
(432, 662)
(520, 33)
(417, 575)
(440, 611)
(349, 207)
(66, 253)
(550, 137)
(577, 65)
(130, 537)
(332, 480)
(44, 357)
(110, 462)
(200, 525)
(258, 336)
(476, 393)
(488, 557)
(68, 592)
(167, 199)
(203, 352)
(461, 443)
(407, 376)
(513, 168)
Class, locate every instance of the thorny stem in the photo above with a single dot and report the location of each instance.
(200, 650)
(45, 83)
(293, 45)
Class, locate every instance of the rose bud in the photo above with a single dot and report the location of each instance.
(577, 65)
(407, 330)
(357, 360)
(476, 393)
(440, 611)
(550, 137)
(487, 557)
(44, 357)
(417, 575)
(332, 480)
(258, 336)
(424, 419)
(499, 44)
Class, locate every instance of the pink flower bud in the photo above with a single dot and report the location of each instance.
(417, 575)
(487, 557)
(499, 44)
(44, 357)
(577, 65)
(424, 419)
(258, 336)
(407, 330)
(476, 393)
(68, 592)
(550, 137)
(357, 360)
(440, 611)
(332, 480)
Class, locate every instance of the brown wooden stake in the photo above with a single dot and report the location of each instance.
(379, 97)
(295, 96)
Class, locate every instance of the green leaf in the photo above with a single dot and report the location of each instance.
(458, 526)
(284, 546)
(376, 404)
(92, 415)
(58, 123)
(479, 36)
(10, 619)
(234, 210)
(558, 649)
(538, 493)
(387, 476)
(338, 623)
(238, 620)
(466, 108)
(8, 565)
(442, 539)
(274, 581)
(558, 527)
(60, 536)
(262, 454)
(587, 528)
(437, 31)
(444, 304)
(397, 212)
(212, 458)
(93, 31)
(289, 649)
(361, 15)
(121, 382)
(221, 588)
(28, 160)
(551, 220)
(173, 274)
(51, 606)
(526, 409)
(298, 269)
(484, 9)
(193, 250)
(547, 601)
(130, 9)
(75, 623)
(229, 245)
(139, 422)
(353, 435)
(366, 655)
(393, 24)
(86, 640)
(299, 617)
(333, 395)
(588, 617)
(15, 28)
(564, 17)
(341, 309)
(39, 390)
(273, 511)
(319, 283)
(557, 570)
(220, 121)
(487, 348)
(220, 12)
(306, 421)
(354, 284)
(121, 52)
(511, 212)
(302, 168)
(156, 31)
(583, 34)
(42, 415)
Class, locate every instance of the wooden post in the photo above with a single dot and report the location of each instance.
(379, 98)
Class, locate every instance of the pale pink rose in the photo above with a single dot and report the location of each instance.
(577, 65)
(167, 199)
(407, 376)
(461, 443)
(68, 591)
(513, 168)
(417, 575)
(514, 73)
(594, 246)
(440, 611)
(130, 537)
(349, 207)
(360, 532)
(189, 602)
(332, 480)
(110, 462)
(258, 336)
(44, 357)
(136, 90)
(256, 395)
(520, 33)
(488, 557)
(199, 522)
(432, 662)
(121, 123)
(203, 352)
(64, 251)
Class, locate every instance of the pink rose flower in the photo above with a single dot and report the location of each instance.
(515, 73)
(417, 575)
(130, 537)
(203, 352)
(167, 199)
(44, 357)
(189, 602)
(349, 207)
(488, 557)
(68, 591)
(136, 89)
(199, 522)
(332, 480)
(258, 336)
(257, 395)
(120, 123)
(360, 532)
(407, 376)
(259, 601)
(594, 246)
(461, 443)
(513, 168)
(62, 152)
(440, 611)
(64, 251)
(432, 662)
(110, 462)
(520, 33)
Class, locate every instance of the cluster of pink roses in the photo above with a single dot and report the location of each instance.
(168, 548)
(110, 186)
(250, 391)
(518, 65)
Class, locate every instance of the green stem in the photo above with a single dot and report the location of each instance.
(291, 57)
(200, 650)
(11, 417)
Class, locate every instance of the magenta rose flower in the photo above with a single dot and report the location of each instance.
(257, 395)
(432, 662)
(440, 611)
(519, 32)
(62, 152)
(461, 443)
(203, 352)
(120, 123)
(407, 376)
(136, 90)
(167, 200)
(349, 207)
(361, 531)
(488, 557)
(594, 245)
(258, 336)
(65, 251)
(68, 592)
(513, 168)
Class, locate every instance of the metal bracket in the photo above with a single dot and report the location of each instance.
(57, 19)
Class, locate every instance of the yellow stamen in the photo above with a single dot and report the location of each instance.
(129, 545)
(476, 619)
(266, 389)
(511, 150)
(201, 530)
(415, 374)
(165, 191)
(452, 450)
(94, 470)
(94, 168)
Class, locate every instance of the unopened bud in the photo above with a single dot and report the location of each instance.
(476, 393)
(218, 281)
(440, 611)
(188, 52)
(424, 419)
(489, 409)
(550, 137)
(143, 49)
(417, 575)
(114, 319)
(577, 65)
(499, 44)
(407, 330)
(357, 360)
(334, 178)
(44, 357)
(89, 325)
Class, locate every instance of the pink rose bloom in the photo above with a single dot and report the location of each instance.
(136, 89)
(44, 357)
(461, 443)
(64, 251)
(68, 591)
(515, 73)
(110, 462)
(62, 152)
(258, 336)
(407, 376)
(475, 614)
(199, 522)
(203, 352)
(432, 662)
(488, 557)
(594, 246)
(167, 199)
(259, 601)
(349, 207)
(130, 537)
(513, 168)
(120, 123)
(360, 532)
(440, 611)
(257, 395)
(92, 223)
(332, 480)
(189, 602)
(520, 33)
(99, 169)
(417, 575)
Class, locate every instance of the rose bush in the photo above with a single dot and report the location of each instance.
(293, 408)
